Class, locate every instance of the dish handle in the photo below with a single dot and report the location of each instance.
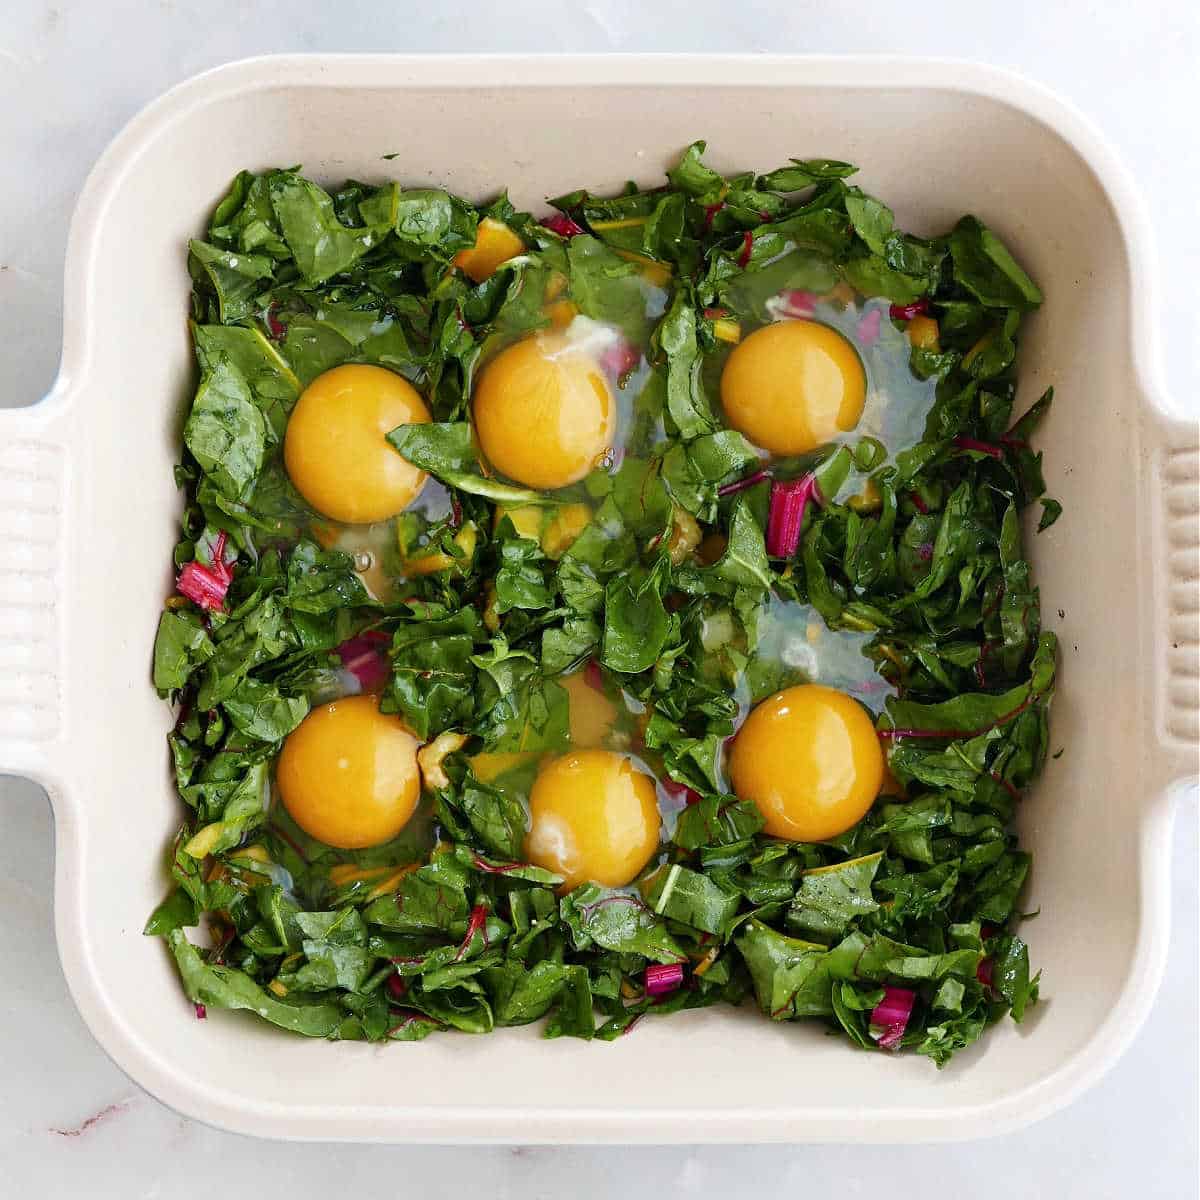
(33, 483)
(1175, 521)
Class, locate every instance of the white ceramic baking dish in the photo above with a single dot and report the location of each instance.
(87, 520)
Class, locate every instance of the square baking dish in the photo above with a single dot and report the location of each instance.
(88, 511)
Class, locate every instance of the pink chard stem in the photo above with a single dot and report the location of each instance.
(663, 978)
(785, 519)
(889, 1018)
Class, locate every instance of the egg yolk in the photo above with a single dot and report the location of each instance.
(563, 528)
(792, 386)
(543, 412)
(593, 816)
(809, 758)
(348, 774)
(335, 447)
(495, 244)
(489, 766)
(591, 712)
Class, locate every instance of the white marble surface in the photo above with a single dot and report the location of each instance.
(70, 75)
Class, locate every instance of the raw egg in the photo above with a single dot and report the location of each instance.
(810, 759)
(544, 413)
(335, 447)
(593, 816)
(348, 774)
(495, 244)
(793, 386)
(591, 712)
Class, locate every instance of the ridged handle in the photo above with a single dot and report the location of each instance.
(1177, 468)
(33, 476)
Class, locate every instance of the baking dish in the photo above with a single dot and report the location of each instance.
(87, 518)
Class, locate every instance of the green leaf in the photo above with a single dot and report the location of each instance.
(178, 910)
(744, 562)
(521, 577)
(975, 713)
(605, 545)
(693, 470)
(521, 710)
(313, 347)
(879, 958)
(498, 818)
(570, 643)
(341, 927)
(180, 646)
(642, 499)
(445, 451)
(994, 896)
(433, 677)
(322, 581)
(522, 994)
(431, 899)
(872, 220)
(920, 894)
(1010, 975)
(261, 634)
(872, 275)
(430, 219)
(225, 987)
(225, 431)
(576, 578)
(274, 386)
(330, 965)
(241, 809)
(717, 821)
(514, 871)
(234, 279)
(260, 711)
(984, 266)
(687, 405)
(791, 977)
(805, 172)
(245, 221)
(636, 625)
(618, 921)
(321, 245)
(691, 898)
(440, 449)
(830, 898)
(944, 1039)
(457, 1008)
(607, 288)
(691, 176)
(1051, 511)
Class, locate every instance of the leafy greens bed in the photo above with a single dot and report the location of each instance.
(899, 932)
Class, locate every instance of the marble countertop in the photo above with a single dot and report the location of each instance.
(71, 73)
